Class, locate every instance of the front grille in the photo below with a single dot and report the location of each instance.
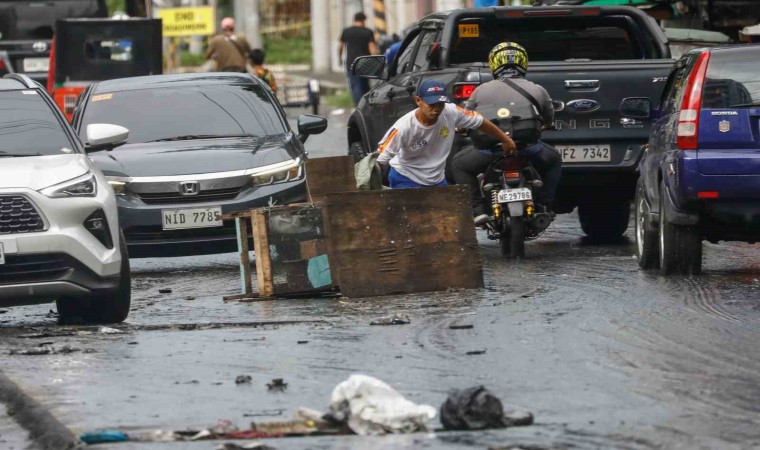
(33, 268)
(214, 195)
(18, 215)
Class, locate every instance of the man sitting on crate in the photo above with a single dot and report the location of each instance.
(418, 144)
(509, 64)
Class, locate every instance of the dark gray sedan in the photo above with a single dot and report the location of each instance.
(199, 145)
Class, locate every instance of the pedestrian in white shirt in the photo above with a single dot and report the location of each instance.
(418, 144)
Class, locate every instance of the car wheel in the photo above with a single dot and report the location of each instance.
(680, 246)
(604, 221)
(646, 235)
(109, 307)
(357, 151)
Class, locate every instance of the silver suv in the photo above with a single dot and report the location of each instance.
(59, 231)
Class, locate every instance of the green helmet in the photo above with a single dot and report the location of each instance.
(508, 55)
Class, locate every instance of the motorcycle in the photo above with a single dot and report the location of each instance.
(509, 182)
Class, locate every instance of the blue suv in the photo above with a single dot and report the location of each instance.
(700, 174)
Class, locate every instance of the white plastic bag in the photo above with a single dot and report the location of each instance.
(372, 407)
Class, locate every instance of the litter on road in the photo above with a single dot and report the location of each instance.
(48, 348)
(393, 319)
(277, 384)
(371, 407)
(109, 330)
(476, 352)
(361, 405)
(476, 408)
(248, 446)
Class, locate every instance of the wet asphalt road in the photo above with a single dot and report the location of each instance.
(604, 355)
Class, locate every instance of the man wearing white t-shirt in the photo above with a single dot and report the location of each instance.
(418, 144)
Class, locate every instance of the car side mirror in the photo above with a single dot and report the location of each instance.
(636, 108)
(105, 135)
(368, 66)
(309, 124)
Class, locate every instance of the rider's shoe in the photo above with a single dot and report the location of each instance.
(481, 219)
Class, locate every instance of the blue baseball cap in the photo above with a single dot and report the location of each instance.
(432, 92)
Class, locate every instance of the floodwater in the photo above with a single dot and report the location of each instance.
(603, 354)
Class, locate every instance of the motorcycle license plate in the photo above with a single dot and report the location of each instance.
(515, 195)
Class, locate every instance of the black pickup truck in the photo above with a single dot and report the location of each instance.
(589, 58)
(26, 30)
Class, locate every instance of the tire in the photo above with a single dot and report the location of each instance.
(356, 149)
(513, 239)
(605, 221)
(110, 307)
(680, 246)
(646, 235)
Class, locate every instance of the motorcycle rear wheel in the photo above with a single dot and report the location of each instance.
(512, 238)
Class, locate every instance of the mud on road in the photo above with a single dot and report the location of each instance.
(604, 355)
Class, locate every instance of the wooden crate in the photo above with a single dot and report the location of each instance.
(402, 241)
(291, 256)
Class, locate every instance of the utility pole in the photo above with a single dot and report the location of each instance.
(253, 23)
(401, 16)
(320, 36)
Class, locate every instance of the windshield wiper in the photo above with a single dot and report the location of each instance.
(17, 155)
(744, 105)
(189, 137)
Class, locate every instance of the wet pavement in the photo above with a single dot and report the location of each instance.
(12, 436)
(604, 355)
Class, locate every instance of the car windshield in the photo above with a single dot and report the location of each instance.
(20, 20)
(733, 80)
(203, 111)
(549, 39)
(28, 126)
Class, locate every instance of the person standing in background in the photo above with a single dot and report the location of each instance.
(357, 40)
(257, 56)
(228, 50)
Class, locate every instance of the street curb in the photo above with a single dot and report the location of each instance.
(44, 429)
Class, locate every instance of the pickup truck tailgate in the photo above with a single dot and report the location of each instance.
(589, 130)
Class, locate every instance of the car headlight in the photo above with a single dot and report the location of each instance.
(119, 184)
(82, 186)
(278, 173)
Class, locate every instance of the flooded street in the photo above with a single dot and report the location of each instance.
(604, 354)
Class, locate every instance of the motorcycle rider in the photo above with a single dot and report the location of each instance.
(509, 64)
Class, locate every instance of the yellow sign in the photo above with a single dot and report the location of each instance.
(469, 30)
(97, 98)
(197, 21)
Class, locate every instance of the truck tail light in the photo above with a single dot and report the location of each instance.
(464, 91)
(688, 119)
